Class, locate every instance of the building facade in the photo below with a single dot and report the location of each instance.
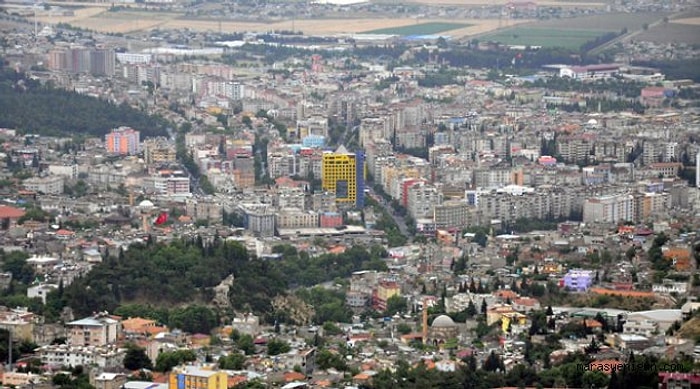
(123, 141)
(343, 173)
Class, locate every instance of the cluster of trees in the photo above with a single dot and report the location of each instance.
(629, 89)
(602, 105)
(655, 254)
(172, 280)
(46, 110)
(329, 305)
(300, 269)
(675, 69)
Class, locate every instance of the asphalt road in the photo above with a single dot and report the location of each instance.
(399, 220)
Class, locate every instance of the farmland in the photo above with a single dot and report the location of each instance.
(545, 37)
(429, 28)
(553, 3)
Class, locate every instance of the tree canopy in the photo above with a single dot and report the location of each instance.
(43, 109)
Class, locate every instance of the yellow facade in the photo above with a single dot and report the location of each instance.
(385, 291)
(194, 378)
(339, 176)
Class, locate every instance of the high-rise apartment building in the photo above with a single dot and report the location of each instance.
(343, 173)
(123, 141)
(99, 62)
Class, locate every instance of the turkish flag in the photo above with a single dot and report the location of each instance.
(162, 218)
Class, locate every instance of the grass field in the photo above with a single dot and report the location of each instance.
(419, 29)
(545, 37)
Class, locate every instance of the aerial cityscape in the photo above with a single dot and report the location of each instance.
(350, 194)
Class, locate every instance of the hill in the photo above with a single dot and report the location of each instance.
(31, 107)
(690, 329)
(185, 272)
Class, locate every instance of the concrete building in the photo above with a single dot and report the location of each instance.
(578, 280)
(58, 355)
(158, 151)
(52, 185)
(640, 327)
(609, 209)
(40, 291)
(172, 183)
(98, 330)
(343, 173)
(192, 377)
(123, 141)
(259, 219)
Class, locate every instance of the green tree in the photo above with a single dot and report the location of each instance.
(277, 346)
(595, 379)
(245, 343)
(194, 319)
(169, 359)
(395, 304)
(232, 361)
(136, 358)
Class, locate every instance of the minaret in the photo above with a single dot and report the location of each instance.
(425, 321)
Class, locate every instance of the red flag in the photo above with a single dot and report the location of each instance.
(162, 218)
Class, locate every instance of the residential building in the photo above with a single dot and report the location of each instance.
(158, 150)
(172, 183)
(98, 330)
(675, 380)
(192, 377)
(108, 380)
(19, 321)
(609, 209)
(58, 355)
(640, 327)
(123, 141)
(9, 216)
(52, 185)
(385, 290)
(40, 291)
(296, 218)
(669, 286)
(259, 219)
(343, 173)
(13, 379)
(578, 280)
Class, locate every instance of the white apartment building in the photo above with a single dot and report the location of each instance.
(609, 209)
(68, 171)
(296, 218)
(640, 327)
(422, 198)
(52, 185)
(669, 286)
(105, 357)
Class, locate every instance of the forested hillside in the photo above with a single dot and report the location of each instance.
(31, 107)
(183, 272)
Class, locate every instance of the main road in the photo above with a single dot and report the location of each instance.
(398, 219)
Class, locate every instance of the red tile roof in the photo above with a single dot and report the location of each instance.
(7, 212)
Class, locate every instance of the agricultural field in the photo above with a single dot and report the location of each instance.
(429, 28)
(671, 33)
(545, 37)
(554, 3)
(606, 22)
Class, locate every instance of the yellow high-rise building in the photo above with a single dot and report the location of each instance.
(343, 174)
(190, 377)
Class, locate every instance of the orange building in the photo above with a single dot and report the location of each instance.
(680, 257)
(123, 141)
